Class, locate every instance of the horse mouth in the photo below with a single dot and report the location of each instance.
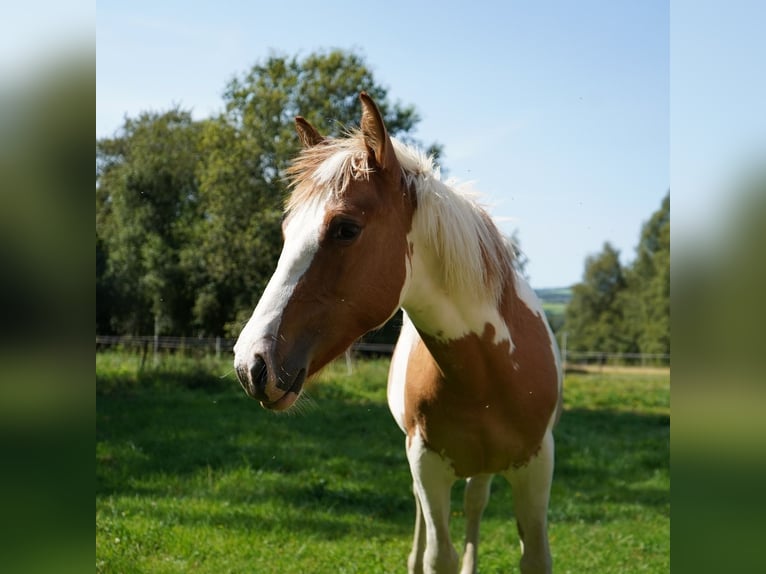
(291, 395)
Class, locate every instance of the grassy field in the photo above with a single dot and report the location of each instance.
(191, 476)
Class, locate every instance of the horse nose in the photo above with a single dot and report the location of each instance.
(259, 375)
(254, 376)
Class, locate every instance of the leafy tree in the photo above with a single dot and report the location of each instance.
(594, 315)
(146, 194)
(647, 301)
(616, 309)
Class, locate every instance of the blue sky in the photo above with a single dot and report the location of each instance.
(559, 112)
(573, 118)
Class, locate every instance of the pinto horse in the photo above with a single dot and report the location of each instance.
(475, 379)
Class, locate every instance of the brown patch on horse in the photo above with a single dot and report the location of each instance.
(478, 403)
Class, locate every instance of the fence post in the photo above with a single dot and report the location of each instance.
(143, 355)
(349, 366)
(155, 358)
(218, 347)
(564, 349)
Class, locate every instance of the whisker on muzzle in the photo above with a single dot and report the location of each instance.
(302, 406)
(227, 374)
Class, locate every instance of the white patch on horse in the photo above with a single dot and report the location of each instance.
(433, 476)
(397, 373)
(528, 296)
(301, 244)
(445, 314)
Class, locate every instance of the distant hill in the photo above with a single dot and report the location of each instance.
(555, 301)
(555, 294)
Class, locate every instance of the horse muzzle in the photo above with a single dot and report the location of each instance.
(276, 384)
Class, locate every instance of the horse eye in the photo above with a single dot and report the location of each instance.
(345, 231)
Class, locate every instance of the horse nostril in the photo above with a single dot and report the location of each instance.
(259, 374)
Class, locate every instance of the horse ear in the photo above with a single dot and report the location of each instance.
(307, 133)
(375, 136)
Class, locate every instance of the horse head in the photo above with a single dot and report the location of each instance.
(343, 265)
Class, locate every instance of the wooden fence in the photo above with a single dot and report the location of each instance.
(221, 347)
(201, 345)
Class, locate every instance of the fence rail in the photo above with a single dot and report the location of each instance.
(220, 345)
(217, 345)
(603, 358)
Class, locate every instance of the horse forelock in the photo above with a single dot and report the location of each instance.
(324, 171)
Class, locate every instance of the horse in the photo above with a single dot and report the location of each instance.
(475, 378)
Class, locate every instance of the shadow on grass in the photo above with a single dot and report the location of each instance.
(335, 458)
(606, 458)
(341, 457)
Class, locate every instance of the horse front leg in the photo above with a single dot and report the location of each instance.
(475, 501)
(433, 478)
(415, 560)
(531, 487)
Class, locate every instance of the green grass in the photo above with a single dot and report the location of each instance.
(191, 476)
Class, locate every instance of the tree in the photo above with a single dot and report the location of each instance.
(616, 309)
(647, 301)
(594, 315)
(146, 195)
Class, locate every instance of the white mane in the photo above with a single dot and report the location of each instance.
(456, 229)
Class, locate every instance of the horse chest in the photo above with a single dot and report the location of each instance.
(485, 413)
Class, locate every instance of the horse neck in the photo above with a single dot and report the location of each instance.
(444, 312)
